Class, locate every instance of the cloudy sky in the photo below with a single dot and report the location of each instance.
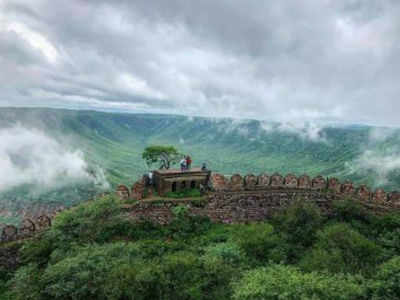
(331, 60)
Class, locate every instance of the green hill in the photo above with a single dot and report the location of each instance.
(113, 142)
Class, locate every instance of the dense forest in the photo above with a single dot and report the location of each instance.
(110, 146)
(95, 252)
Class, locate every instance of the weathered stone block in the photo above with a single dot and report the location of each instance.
(236, 182)
(137, 191)
(394, 199)
(277, 180)
(304, 182)
(291, 181)
(319, 183)
(364, 193)
(263, 180)
(43, 222)
(218, 182)
(379, 197)
(250, 181)
(334, 185)
(348, 188)
(123, 192)
(27, 228)
(9, 233)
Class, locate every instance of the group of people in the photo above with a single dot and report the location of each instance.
(186, 163)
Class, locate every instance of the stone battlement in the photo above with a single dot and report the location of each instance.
(235, 199)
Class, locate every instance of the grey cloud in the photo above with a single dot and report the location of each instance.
(251, 59)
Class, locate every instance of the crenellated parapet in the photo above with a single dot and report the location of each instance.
(27, 228)
(276, 181)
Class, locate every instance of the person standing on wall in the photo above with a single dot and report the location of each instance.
(188, 162)
(183, 164)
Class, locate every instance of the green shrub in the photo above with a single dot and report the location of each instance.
(299, 224)
(187, 193)
(25, 284)
(284, 282)
(387, 281)
(342, 249)
(259, 242)
(88, 221)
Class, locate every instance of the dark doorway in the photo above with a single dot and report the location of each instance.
(174, 187)
(183, 185)
(193, 184)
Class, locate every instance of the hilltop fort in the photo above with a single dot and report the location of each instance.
(227, 199)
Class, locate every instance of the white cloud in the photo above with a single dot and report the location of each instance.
(381, 164)
(29, 156)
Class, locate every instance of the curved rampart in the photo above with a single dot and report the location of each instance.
(238, 199)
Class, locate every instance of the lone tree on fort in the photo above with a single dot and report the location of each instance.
(164, 156)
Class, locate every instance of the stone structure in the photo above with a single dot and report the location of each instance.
(379, 196)
(218, 182)
(236, 183)
(263, 180)
(304, 182)
(176, 180)
(348, 188)
(248, 199)
(123, 192)
(250, 181)
(291, 181)
(276, 180)
(363, 192)
(334, 185)
(319, 183)
(137, 191)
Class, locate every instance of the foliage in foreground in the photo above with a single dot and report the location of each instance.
(92, 252)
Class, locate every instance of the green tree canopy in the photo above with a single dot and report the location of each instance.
(164, 156)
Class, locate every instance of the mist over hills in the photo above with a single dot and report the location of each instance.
(60, 157)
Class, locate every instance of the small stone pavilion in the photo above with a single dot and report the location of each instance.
(174, 180)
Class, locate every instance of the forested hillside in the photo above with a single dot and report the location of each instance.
(110, 147)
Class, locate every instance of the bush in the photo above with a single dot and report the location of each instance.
(299, 224)
(341, 249)
(285, 282)
(89, 221)
(187, 193)
(387, 281)
(259, 242)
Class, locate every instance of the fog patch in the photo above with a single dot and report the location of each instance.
(310, 131)
(382, 165)
(380, 156)
(29, 156)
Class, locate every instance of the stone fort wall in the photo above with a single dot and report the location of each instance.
(255, 198)
(236, 199)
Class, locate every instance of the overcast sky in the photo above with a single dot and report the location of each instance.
(274, 60)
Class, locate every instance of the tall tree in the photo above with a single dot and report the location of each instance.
(164, 156)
